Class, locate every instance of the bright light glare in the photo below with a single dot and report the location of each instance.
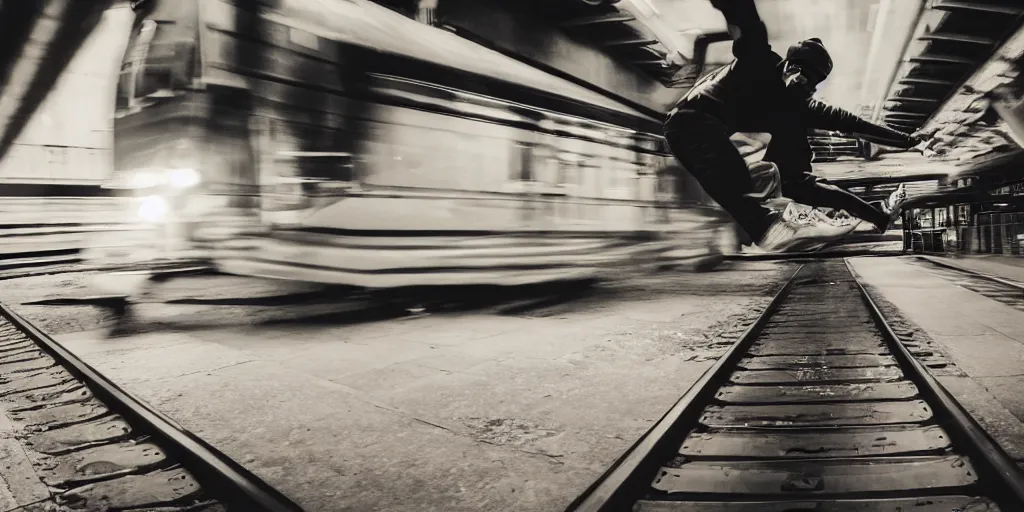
(184, 178)
(146, 179)
(153, 208)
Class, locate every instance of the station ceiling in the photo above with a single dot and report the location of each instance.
(904, 62)
(852, 30)
(929, 65)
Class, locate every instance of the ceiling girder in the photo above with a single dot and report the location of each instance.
(958, 38)
(904, 116)
(912, 99)
(629, 42)
(926, 81)
(1008, 7)
(599, 19)
(933, 58)
(952, 47)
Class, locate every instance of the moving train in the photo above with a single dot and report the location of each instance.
(336, 141)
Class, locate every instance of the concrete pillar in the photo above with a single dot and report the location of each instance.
(70, 137)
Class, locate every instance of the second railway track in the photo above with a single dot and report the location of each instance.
(95, 447)
(818, 407)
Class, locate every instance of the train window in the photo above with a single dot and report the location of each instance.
(564, 172)
(131, 68)
(521, 168)
(157, 63)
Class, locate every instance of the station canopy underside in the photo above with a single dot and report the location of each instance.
(955, 55)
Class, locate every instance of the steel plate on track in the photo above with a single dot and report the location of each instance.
(818, 476)
(805, 443)
(815, 411)
(838, 375)
(816, 361)
(49, 397)
(819, 336)
(103, 462)
(16, 383)
(8, 355)
(62, 415)
(17, 347)
(931, 504)
(82, 435)
(805, 347)
(851, 327)
(817, 393)
(803, 312)
(814, 415)
(34, 365)
(136, 491)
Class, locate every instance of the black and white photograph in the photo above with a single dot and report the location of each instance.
(511, 256)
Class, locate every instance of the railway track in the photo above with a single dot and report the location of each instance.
(817, 407)
(96, 447)
(995, 288)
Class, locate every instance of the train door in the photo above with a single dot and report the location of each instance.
(964, 228)
(984, 233)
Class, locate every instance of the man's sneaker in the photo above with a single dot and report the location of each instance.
(837, 221)
(798, 230)
(893, 206)
(895, 202)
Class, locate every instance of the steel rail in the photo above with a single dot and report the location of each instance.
(614, 490)
(993, 464)
(627, 481)
(975, 273)
(222, 477)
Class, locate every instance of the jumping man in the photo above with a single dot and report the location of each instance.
(762, 92)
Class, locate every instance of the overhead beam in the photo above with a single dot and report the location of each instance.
(958, 38)
(994, 8)
(655, 52)
(926, 81)
(913, 108)
(662, 63)
(905, 124)
(629, 42)
(619, 17)
(934, 58)
(905, 115)
(912, 99)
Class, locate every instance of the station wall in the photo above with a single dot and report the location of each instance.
(70, 138)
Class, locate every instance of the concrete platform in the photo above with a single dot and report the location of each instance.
(982, 337)
(456, 412)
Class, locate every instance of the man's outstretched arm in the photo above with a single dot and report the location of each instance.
(826, 117)
(750, 37)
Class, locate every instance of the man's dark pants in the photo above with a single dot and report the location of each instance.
(701, 144)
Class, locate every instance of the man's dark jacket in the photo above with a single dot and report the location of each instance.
(749, 95)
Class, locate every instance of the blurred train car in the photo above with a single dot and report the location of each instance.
(336, 141)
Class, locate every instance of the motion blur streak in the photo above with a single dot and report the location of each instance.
(340, 142)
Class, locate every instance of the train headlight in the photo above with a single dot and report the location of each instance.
(183, 178)
(153, 208)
